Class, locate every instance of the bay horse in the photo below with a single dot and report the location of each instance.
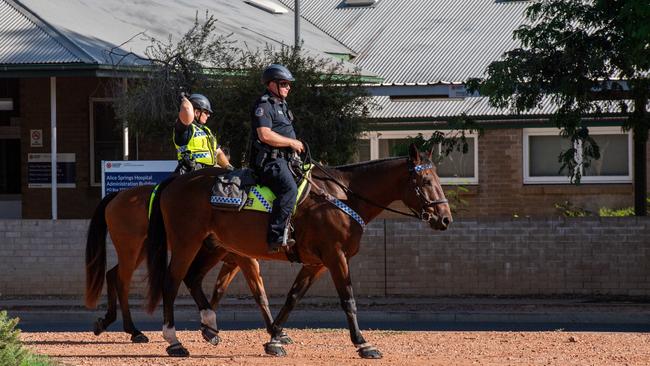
(326, 236)
(124, 215)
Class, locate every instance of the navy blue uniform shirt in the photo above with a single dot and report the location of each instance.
(273, 113)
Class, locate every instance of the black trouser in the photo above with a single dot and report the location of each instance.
(277, 176)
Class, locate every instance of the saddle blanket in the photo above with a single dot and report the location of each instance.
(237, 190)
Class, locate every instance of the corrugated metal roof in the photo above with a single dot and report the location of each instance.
(415, 41)
(471, 106)
(25, 40)
(107, 30)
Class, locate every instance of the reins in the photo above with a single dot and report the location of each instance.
(424, 215)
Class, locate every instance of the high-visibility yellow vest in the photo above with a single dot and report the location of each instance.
(202, 145)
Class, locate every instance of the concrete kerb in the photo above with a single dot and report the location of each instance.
(375, 310)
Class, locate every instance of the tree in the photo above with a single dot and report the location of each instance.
(586, 57)
(329, 105)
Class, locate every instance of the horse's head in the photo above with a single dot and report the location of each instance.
(424, 195)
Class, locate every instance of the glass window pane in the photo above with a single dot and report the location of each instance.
(389, 148)
(108, 136)
(457, 164)
(544, 153)
(613, 156)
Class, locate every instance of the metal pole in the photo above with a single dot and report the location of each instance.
(125, 130)
(296, 24)
(53, 145)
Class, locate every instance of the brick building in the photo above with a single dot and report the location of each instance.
(68, 53)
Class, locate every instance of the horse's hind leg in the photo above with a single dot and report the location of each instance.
(101, 324)
(305, 278)
(251, 269)
(339, 270)
(203, 262)
(124, 275)
(181, 260)
(226, 275)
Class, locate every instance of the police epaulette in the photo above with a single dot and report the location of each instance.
(264, 98)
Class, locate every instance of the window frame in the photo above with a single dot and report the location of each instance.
(612, 179)
(375, 136)
(91, 160)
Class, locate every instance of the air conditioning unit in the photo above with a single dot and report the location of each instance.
(360, 2)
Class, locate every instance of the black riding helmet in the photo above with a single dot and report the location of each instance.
(276, 72)
(200, 101)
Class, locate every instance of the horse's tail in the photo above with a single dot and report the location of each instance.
(96, 252)
(156, 250)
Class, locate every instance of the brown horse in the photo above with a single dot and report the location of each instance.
(326, 236)
(124, 216)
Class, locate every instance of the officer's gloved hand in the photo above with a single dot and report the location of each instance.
(188, 162)
(181, 96)
(230, 167)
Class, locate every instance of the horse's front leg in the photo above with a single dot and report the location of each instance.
(340, 272)
(206, 259)
(305, 278)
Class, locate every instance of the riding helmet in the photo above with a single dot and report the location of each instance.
(200, 101)
(276, 72)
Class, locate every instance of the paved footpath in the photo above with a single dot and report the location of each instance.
(471, 313)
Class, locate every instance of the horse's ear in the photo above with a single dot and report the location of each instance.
(433, 146)
(414, 154)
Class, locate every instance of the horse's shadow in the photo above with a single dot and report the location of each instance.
(71, 343)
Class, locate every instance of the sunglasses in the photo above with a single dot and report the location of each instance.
(284, 84)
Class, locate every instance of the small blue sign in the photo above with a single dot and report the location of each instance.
(119, 175)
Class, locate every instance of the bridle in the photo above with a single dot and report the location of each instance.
(414, 170)
(424, 215)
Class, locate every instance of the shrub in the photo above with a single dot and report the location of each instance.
(12, 353)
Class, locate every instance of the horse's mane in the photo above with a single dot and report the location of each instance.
(364, 164)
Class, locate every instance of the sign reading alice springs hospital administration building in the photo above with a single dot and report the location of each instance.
(119, 175)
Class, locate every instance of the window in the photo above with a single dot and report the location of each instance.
(106, 137)
(542, 147)
(456, 168)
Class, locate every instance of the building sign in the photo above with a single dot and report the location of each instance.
(39, 170)
(119, 175)
(36, 138)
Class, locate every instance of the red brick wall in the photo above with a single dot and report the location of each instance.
(500, 192)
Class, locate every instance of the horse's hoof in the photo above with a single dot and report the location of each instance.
(139, 338)
(210, 334)
(177, 350)
(284, 338)
(98, 326)
(369, 352)
(274, 349)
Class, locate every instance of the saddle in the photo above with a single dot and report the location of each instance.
(237, 190)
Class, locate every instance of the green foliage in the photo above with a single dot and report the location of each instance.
(12, 352)
(327, 100)
(456, 202)
(573, 53)
(568, 209)
(621, 212)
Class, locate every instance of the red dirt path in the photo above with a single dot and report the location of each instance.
(333, 347)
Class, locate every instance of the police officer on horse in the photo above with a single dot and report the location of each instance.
(196, 146)
(273, 143)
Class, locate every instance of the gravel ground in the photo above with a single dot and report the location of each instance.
(333, 347)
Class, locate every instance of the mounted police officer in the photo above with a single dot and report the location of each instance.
(273, 142)
(195, 144)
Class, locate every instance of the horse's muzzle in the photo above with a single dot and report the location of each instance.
(441, 222)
